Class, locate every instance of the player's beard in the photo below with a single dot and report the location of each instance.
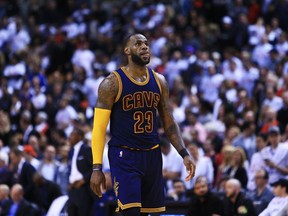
(138, 60)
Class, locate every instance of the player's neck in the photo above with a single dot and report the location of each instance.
(136, 70)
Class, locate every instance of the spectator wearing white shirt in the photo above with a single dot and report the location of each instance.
(49, 165)
(280, 201)
(233, 72)
(257, 162)
(256, 32)
(272, 100)
(71, 28)
(210, 84)
(14, 72)
(275, 156)
(282, 44)
(92, 83)
(250, 73)
(84, 57)
(39, 98)
(172, 163)
(20, 39)
(204, 166)
(260, 53)
(65, 115)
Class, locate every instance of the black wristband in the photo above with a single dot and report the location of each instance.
(183, 153)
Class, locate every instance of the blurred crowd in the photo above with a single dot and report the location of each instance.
(226, 63)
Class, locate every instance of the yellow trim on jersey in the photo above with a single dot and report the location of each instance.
(157, 81)
(136, 149)
(152, 210)
(126, 206)
(135, 81)
(120, 86)
(101, 119)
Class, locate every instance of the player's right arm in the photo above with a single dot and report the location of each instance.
(107, 94)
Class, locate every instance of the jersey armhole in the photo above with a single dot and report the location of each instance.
(120, 86)
(157, 81)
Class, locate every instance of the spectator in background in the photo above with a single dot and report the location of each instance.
(275, 156)
(191, 122)
(22, 170)
(18, 205)
(43, 192)
(280, 201)
(49, 165)
(41, 124)
(247, 139)
(204, 166)
(92, 83)
(84, 57)
(30, 156)
(65, 115)
(25, 125)
(15, 72)
(272, 100)
(282, 114)
(204, 202)
(5, 172)
(4, 195)
(257, 162)
(223, 162)
(178, 192)
(172, 163)
(262, 194)
(237, 169)
(235, 202)
(269, 119)
(62, 175)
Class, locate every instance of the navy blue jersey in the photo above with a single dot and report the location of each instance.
(133, 117)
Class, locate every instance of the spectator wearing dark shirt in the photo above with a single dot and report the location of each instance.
(235, 202)
(262, 195)
(204, 202)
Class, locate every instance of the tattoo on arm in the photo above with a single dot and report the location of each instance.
(107, 92)
(170, 126)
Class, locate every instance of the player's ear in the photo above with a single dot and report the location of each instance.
(126, 50)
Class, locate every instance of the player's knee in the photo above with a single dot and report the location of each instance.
(131, 212)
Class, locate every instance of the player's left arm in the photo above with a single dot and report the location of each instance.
(171, 128)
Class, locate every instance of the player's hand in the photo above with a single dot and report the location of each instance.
(190, 167)
(97, 181)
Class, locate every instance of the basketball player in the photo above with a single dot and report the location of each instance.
(130, 97)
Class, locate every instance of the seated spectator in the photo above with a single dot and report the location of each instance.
(18, 205)
(280, 190)
(204, 202)
(178, 193)
(235, 202)
(262, 195)
(5, 173)
(43, 192)
(4, 195)
(237, 169)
